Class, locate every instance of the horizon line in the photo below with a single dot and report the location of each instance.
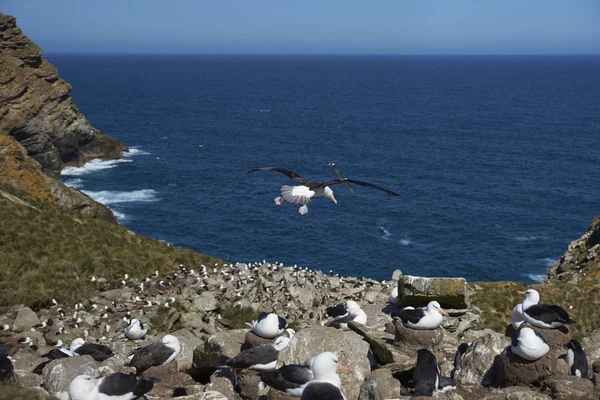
(323, 54)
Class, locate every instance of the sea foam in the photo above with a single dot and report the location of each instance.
(113, 197)
(92, 166)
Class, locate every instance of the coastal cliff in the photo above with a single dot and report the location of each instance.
(41, 128)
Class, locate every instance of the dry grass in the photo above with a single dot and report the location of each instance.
(50, 252)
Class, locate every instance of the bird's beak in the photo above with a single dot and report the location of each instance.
(521, 293)
(95, 381)
(342, 369)
(333, 199)
(444, 313)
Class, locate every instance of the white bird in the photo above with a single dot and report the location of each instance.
(155, 354)
(528, 344)
(326, 383)
(543, 315)
(268, 325)
(429, 317)
(115, 386)
(307, 189)
(344, 313)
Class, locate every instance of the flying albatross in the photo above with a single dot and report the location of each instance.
(307, 189)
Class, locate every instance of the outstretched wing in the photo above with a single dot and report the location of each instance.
(290, 174)
(361, 183)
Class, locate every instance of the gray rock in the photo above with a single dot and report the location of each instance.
(188, 342)
(411, 340)
(516, 393)
(477, 361)
(418, 291)
(381, 344)
(59, 373)
(25, 320)
(223, 385)
(170, 379)
(350, 348)
(215, 351)
(208, 395)
(512, 370)
(568, 388)
(379, 385)
(205, 302)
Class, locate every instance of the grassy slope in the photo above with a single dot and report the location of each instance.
(50, 252)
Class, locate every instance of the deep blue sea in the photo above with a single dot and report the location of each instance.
(496, 158)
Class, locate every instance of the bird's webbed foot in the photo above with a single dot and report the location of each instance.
(279, 201)
(303, 210)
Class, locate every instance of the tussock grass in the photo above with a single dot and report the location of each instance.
(494, 301)
(50, 252)
(236, 318)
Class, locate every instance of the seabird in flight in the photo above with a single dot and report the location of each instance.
(308, 189)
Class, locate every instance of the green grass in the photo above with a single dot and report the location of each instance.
(236, 318)
(494, 302)
(50, 252)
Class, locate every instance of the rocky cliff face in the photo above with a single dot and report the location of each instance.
(581, 262)
(36, 107)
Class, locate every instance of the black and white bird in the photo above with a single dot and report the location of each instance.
(577, 360)
(115, 386)
(460, 352)
(261, 358)
(268, 325)
(7, 370)
(543, 315)
(98, 352)
(135, 330)
(529, 344)
(290, 376)
(307, 189)
(155, 354)
(429, 317)
(326, 383)
(427, 377)
(344, 313)
(54, 354)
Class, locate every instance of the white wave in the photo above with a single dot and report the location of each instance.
(92, 166)
(76, 182)
(530, 238)
(108, 197)
(386, 233)
(405, 242)
(549, 261)
(136, 151)
(537, 277)
(120, 216)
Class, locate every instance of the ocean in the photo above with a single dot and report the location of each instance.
(495, 158)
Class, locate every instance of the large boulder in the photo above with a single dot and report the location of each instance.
(26, 319)
(512, 370)
(215, 351)
(474, 368)
(188, 342)
(567, 387)
(379, 385)
(381, 344)
(205, 302)
(350, 348)
(170, 380)
(516, 393)
(59, 373)
(417, 291)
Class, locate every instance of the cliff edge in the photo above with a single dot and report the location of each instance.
(36, 107)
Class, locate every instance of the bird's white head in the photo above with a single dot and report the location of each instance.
(281, 343)
(329, 194)
(435, 306)
(352, 305)
(172, 342)
(526, 333)
(325, 367)
(75, 344)
(81, 387)
(532, 297)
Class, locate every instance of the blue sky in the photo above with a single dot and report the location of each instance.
(311, 26)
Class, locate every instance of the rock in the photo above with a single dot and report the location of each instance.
(188, 342)
(170, 379)
(253, 340)
(248, 384)
(475, 367)
(591, 345)
(418, 291)
(205, 302)
(215, 351)
(350, 348)
(516, 393)
(379, 385)
(512, 370)
(275, 394)
(209, 395)
(381, 344)
(28, 379)
(377, 317)
(223, 385)
(568, 388)
(25, 320)
(411, 340)
(59, 373)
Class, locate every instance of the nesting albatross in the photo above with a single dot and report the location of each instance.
(155, 354)
(308, 189)
(116, 386)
